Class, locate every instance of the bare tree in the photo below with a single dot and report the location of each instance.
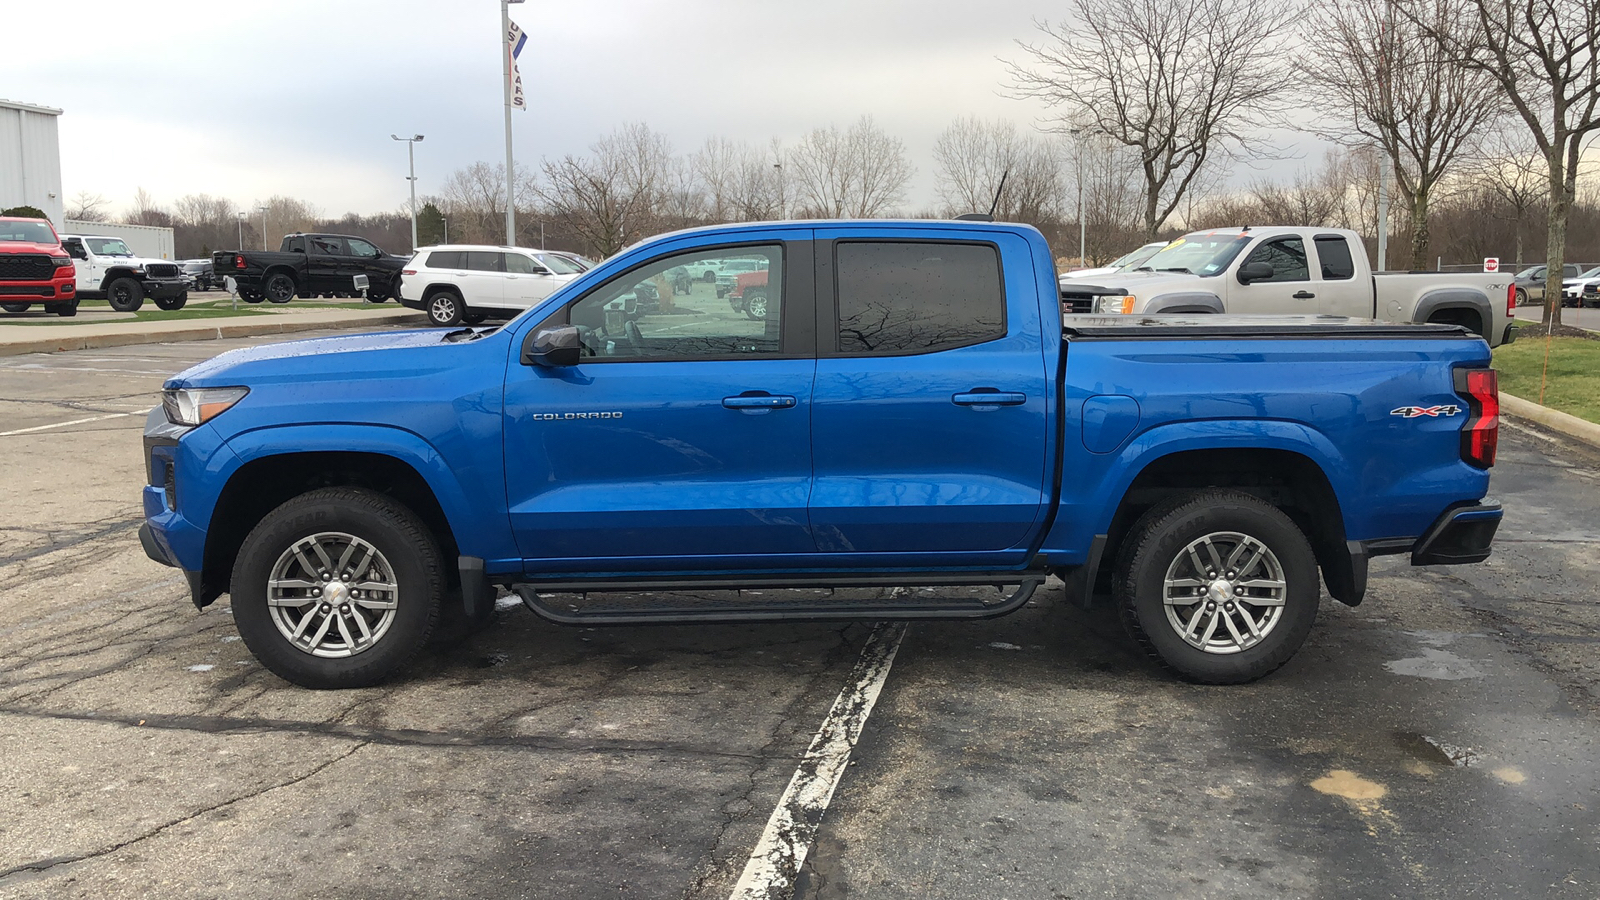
(973, 155)
(1511, 170)
(284, 215)
(203, 223)
(1546, 56)
(145, 211)
(859, 173)
(1112, 201)
(87, 207)
(1176, 81)
(617, 193)
(1373, 71)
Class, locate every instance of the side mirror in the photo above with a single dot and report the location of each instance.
(541, 270)
(1255, 271)
(552, 347)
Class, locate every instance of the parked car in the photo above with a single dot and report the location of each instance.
(34, 268)
(583, 263)
(201, 274)
(729, 271)
(455, 283)
(107, 268)
(308, 265)
(1582, 289)
(749, 294)
(1294, 271)
(1121, 263)
(913, 420)
(705, 270)
(1531, 280)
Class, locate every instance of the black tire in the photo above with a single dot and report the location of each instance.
(250, 296)
(445, 308)
(709, 277)
(278, 288)
(474, 318)
(172, 304)
(406, 545)
(755, 304)
(1157, 548)
(15, 307)
(125, 294)
(376, 297)
(1522, 297)
(67, 309)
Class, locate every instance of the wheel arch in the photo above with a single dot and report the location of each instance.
(265, 481)
(113, 274)
(280, 269)
(1457, 306)
(1185, 302)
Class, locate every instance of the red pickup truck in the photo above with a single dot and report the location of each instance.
(34, 268)
(749, 294)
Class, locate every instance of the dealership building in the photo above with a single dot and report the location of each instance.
(30, 159)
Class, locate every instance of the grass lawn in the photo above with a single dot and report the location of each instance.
(1573, 379)
(202, 309)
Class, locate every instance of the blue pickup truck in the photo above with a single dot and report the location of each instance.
(914, 410)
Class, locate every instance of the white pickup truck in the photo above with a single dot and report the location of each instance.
(107, 268)
(1305, 271)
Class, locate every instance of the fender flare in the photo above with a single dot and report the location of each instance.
(1456, 298)
(1184, 302)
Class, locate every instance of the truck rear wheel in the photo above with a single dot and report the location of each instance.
(338, 588)
(445, 308)
(278, 287)
(15, 307)
(1217, 586)
(125, 294)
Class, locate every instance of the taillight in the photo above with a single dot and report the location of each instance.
(1511, 299)
(1481, 389)
(238, 261)
(408, 271)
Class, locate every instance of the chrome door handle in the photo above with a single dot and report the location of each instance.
(1305, 295)
(990, 398)
(759, 401)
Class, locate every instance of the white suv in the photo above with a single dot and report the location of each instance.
(455, 283)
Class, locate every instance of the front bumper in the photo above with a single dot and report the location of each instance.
(1463, 534)
(164, 288)
(38, 291)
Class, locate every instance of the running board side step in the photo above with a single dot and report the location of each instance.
(553, 599)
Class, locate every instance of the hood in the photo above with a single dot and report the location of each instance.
(317, 359)
(1140, 284)
(30, 247)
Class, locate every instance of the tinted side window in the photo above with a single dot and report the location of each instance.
(917, 297)
(328, 245)
(359, 247)
(517, 264)
(1333, 252)
(294, 245)
(446, 259)
(486, 261)
(1287, 256)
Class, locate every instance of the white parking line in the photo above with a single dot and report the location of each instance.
(73, 422)
(782, 849)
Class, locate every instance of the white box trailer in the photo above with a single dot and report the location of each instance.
(150, 241)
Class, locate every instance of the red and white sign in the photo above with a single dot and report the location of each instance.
(1491, 264)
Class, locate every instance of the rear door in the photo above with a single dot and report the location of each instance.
(929, 419)
(483, 284)
(325, 257)
(681, 440)
(1338, 291)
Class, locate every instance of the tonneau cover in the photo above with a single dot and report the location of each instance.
(1200, 327)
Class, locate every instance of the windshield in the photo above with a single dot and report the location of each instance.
(1592, 273)
(108, 247)
(1202, 254)
(31, 232)
(557, 264)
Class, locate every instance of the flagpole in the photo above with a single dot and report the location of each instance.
(505, 54)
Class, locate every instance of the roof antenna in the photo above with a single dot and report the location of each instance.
(989, 216)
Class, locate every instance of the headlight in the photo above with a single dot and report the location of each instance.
(61, 262)
(197, 406)
(1116, 305)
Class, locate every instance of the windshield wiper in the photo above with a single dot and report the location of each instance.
(1176, 269)
(1144, 269)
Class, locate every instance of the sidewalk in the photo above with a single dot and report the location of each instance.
(19, 339)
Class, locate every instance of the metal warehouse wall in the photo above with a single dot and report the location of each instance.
(153, 241)
(30, 159)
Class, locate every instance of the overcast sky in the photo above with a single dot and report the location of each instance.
(245, 99)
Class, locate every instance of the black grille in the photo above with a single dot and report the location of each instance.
(1077, 305)
(162, 270)
(20, 267)
(27, 289)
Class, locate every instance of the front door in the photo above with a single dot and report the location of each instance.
(681, 433)
(362, 259)
(1288, 292)
(528, 282)
(930, 424)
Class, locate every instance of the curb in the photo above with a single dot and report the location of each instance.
(198, 331)
(1555, 420)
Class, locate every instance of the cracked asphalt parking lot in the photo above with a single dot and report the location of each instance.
(1438, 741)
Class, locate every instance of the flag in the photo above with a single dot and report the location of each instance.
(515, 40)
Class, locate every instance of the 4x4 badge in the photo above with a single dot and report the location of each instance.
(1412, 412)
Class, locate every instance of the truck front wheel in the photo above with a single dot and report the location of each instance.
(755, 305)
(125, 294)
(1217, 586)
(338, 588)
(278, 287)
(15, 307)
(172, 304)
(66, 309)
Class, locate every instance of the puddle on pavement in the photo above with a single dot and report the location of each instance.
(1435, 752)
(1437, 664)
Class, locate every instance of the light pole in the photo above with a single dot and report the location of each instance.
(446, 228)
(781, 198)
(241, 229)
(1083, 232)
(411, 161)
(511, 191)
(263, 226)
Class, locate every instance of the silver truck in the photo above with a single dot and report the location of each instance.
(1288, 270)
